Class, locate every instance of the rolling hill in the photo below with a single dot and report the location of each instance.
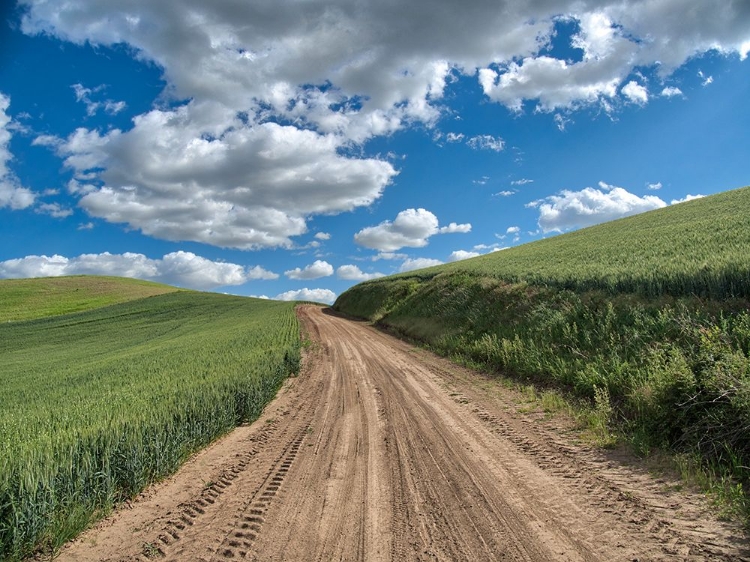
(26, 299)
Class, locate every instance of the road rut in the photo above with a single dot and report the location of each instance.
(382, 451)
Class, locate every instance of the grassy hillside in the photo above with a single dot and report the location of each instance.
(96, 405)
(696, 248)
(26, 299)
(647, 313)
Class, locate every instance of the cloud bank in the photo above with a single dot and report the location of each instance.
(325, 296)
(459, 255)
(200, 173)
(386, 63)
(183, 269)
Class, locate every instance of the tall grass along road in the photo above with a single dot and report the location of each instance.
(381, 451)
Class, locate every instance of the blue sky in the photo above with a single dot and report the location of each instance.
(292, 151)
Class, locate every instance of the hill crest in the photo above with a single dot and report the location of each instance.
(28, 299)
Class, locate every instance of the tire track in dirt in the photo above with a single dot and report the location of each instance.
(247, 526)
(233, 523)
(380, 451)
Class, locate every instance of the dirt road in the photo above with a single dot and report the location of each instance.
(380, 451)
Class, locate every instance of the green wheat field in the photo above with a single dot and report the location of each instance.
(97, 404)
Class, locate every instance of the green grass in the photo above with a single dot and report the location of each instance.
(694, 248)
(646, 317)
(95, 405)
(26, 299)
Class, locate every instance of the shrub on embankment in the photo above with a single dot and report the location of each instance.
(653, 309)
(96, 405)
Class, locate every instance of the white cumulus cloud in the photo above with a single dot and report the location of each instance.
(459, 255)
(514, 231)
(12, 194)
(354, 273)
(589, 206)
(315, 270)
(325, 296)
(183, 269)
(258, 272)
(200, 173)
(410, 264)
(635, 92)
(454, 228)
(553, 82)
(686, 198)
(412, 228)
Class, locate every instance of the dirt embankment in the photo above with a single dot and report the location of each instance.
(380, 451)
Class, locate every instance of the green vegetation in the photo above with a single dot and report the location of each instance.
(98, 404)
(26, 299)
(699, 248)
(649, 313)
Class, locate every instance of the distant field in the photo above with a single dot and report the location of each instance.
(26, 299)
(96, 405)
(696, 248)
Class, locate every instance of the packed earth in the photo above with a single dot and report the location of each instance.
(382, 451)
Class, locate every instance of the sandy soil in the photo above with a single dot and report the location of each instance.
(381, 451)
